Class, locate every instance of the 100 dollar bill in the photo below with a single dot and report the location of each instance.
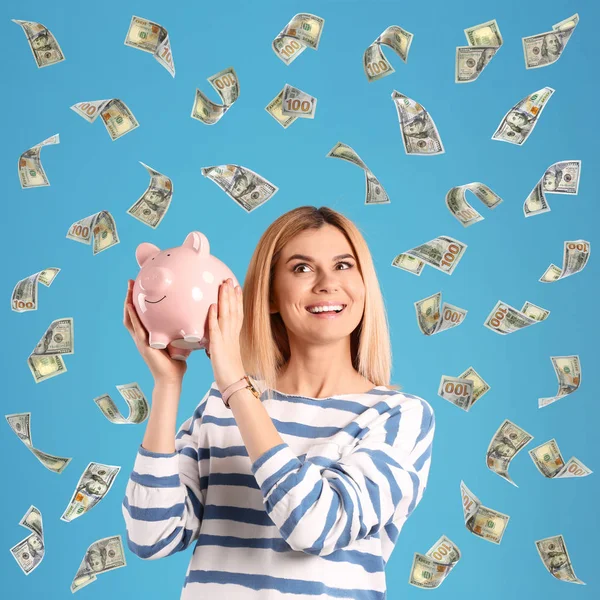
(442, 253)
(521, 119)
(46, 50)
(429, 570)
(419, 132)
(31, 171)
(375, 64)
(303, 31)
(551, 464)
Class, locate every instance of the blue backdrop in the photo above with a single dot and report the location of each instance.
(506, 254)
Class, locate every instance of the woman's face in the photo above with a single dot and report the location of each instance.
(316, 277)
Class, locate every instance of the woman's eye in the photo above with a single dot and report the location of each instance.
(349, 265)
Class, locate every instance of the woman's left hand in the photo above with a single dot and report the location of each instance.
(224, 335)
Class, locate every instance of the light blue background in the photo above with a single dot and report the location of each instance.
(506, 254)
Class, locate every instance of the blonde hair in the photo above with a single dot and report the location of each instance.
(264, 343)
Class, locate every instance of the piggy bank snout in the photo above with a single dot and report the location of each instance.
(156, 280)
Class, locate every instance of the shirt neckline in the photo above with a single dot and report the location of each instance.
(337, 396)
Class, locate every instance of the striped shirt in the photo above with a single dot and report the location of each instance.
(315, 516)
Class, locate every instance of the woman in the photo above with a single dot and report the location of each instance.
(304, 489)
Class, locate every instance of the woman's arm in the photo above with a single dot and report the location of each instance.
(161, 426)
(164, 502)
(319, 510)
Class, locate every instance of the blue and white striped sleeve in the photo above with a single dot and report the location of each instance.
(319, 510)
(165, 495)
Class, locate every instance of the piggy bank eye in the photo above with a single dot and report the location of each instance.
(168, 255)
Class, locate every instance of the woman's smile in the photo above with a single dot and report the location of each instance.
(327, 314)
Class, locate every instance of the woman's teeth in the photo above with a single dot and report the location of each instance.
(319, 309)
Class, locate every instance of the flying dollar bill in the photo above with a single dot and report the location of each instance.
(133, 395)
(29, 552)
(431, 319)
(484, 41)
(103, 227)
(559, 178)
(456, 390)
(58, 339)
(152, 205)
(505, 319)
(556, 559)
(93, 485)
(153, 38)
(20, 423)
(442, 253)
(480, 520)
(296, 103)
(227, 85)
(246, 187)
(31, 171)
(375, 193)
(521, 119)
(429, 570)
(456, 201)
(46, 360)
(463, 391)
(275, 109)
(375, 63)
(546, 48)
(102, 556)
(303, 31)
(551, 464)
(43, 44)
(576, 254)
(419, 133)
(25, 293)
(116, 115)
(506, 443)
(568, 373)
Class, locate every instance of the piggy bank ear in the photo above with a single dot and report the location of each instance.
(198, 242)
(145, 252)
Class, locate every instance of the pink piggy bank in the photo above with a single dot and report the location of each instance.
(174, 290)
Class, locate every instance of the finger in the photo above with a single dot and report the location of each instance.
(126, 319)
(234, 311)
(213, 324)
(129, 292)
(138, 328)
(223, 302)
(231, 309)
(240, 301)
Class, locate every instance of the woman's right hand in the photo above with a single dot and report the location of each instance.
(164, 369)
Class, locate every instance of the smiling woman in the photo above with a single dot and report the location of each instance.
(322, 468)
(314, 257)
